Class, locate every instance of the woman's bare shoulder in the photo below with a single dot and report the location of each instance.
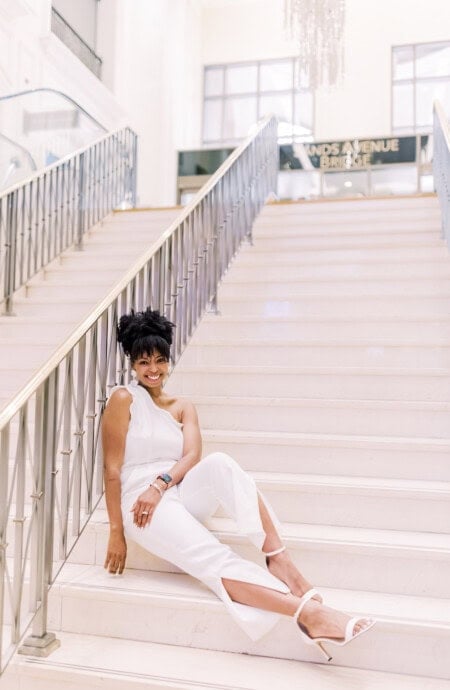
(121, 397)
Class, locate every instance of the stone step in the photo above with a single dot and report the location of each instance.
(323, 383)
(334, 454)
(423, 328)
(388, 561)
(84, 662)
(294, 289)
(412, 634)
(308, 415)
(381, 504)
(404, 255)
(322, 240)
(344, 270)
(357, 352)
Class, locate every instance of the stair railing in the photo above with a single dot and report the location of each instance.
(52, 210)
(50, 456)
(441, 165)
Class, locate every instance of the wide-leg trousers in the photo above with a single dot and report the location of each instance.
(177, 534)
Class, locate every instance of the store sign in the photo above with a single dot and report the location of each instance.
(354, 154)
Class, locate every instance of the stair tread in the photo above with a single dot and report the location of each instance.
(433, 543)
(262, 401)
(93, 581)
(205, 669)
(287, 437)
(276, 369)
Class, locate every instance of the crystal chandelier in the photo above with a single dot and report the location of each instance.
(318, 28)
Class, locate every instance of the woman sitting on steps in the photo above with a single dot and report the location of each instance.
(159, 492)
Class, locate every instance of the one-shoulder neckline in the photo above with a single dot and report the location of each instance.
(135, 384)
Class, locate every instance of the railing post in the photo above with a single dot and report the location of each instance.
(11, 248)
(4, 467)
(41, 642)
(81, 202)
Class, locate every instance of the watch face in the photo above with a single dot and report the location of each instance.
(166, 478)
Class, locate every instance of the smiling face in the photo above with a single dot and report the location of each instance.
(151, 370)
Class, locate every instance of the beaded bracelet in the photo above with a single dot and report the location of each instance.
(158, 489)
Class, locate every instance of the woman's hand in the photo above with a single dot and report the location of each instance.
(116, 553)
(145, 506)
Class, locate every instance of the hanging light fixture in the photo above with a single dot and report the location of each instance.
(318, 28)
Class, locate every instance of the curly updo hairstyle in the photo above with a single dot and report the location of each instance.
(144, 332)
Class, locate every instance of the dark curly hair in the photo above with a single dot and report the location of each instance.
(144, 332)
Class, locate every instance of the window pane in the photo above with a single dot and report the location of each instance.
(426, 93)
(281, 106)
(214, 81)
(403, 110)
(276, 76)
(240, 115)
(433, 60)
(241, 79)
(403, 63)
(301, 79)
(212, 120)
(304, 110)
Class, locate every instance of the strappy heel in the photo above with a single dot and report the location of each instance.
(273, 553)
(318, 641)
(280, 550)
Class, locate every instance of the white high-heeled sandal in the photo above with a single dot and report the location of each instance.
(318, 641)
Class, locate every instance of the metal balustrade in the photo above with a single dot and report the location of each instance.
(49, 212)
(441, 166)
(51, 459)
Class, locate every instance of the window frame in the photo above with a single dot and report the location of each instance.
(415, 80)
(292, 91)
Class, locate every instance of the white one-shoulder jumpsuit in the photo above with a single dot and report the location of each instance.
(154, 443)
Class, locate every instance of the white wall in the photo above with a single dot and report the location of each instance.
(152, 75)
(158, 78)
(361, 106)
(31, 56)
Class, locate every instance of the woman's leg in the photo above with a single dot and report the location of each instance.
(281, 565)
(318, 620)
(175, 535)
(218, 479)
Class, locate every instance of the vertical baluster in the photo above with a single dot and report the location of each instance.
(41, 642)
(66, 453)
(19, 520)
(77, 469)
(91, 415)
(4, 467)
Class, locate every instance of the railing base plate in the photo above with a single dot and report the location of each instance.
(39, 646)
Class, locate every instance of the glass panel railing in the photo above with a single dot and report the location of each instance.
(41, 125)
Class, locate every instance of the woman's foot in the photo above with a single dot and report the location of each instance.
(282, 567)
(317, 620)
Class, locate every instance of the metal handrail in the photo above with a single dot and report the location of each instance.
(47, 89)
(53, 208)
(441, 165)
(57, 459)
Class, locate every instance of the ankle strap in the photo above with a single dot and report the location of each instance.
(274, 553)
(304, 600)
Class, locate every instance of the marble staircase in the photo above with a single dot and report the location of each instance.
(326, 376)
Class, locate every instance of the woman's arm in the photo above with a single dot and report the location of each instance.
(115, 423)
(192, 444)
